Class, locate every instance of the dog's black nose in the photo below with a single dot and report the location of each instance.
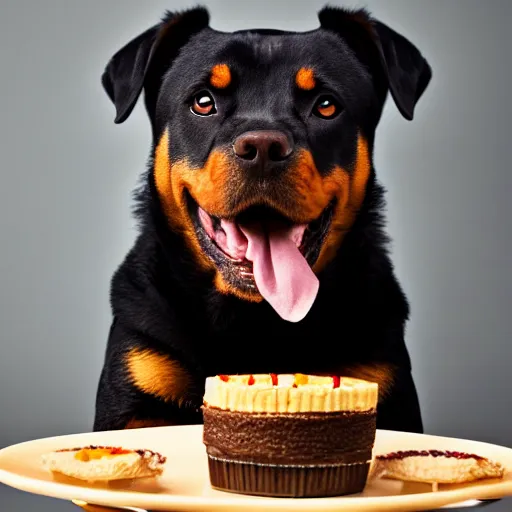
(262, 147)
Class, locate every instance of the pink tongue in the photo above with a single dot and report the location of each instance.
(283, 276)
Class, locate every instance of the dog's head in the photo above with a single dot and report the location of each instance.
(263, 139)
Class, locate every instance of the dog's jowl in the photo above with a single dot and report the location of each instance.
(261, 244)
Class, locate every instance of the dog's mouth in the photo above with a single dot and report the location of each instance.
(261, 252)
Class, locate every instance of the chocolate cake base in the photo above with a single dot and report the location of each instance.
(289, 454)
(287, 481)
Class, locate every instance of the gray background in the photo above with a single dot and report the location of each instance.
(67, 173)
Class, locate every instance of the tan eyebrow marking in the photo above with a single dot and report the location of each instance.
(220, 76)
(305, 79)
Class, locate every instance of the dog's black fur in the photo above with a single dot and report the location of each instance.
(165, 302)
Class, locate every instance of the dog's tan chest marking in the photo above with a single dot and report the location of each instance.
(381, 373)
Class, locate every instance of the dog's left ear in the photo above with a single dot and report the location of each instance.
(141, 62)
(406, 71)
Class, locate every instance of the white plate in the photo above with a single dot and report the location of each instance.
(184, 485)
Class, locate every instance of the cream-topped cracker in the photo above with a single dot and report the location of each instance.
(104, 463)
(435, 466)
(289, 393)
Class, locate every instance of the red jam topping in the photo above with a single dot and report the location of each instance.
(335, 381)
(251, 380)
(119, 451)
(400, 455)
(224, 378)
(273, 376)
(82, 453)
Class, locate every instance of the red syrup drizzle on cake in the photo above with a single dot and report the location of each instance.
(336, 380)
(400, 455)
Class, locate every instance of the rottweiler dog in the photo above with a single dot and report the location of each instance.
(261, 245)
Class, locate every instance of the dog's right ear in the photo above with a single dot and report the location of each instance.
(144, 58)
(384, 52)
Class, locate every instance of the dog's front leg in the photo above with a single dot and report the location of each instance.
(143, 386)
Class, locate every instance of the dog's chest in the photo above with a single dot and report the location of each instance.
(261, 348)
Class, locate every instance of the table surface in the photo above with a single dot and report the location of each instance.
(12, 500)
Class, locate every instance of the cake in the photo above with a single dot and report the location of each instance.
(289, 435)
(104, 463)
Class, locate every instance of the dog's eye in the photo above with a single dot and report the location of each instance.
(203, 104)
(326, 107)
